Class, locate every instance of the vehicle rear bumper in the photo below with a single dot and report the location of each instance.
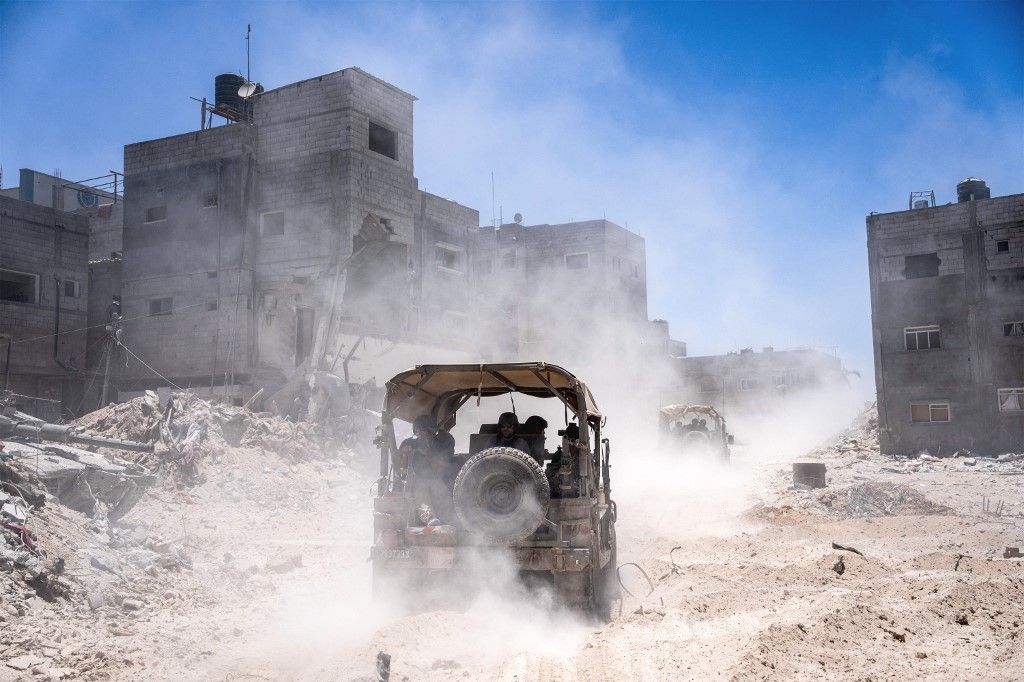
(451, 558)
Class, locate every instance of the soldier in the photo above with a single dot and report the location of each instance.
(508, 424)
(536, 425)
(429, 457)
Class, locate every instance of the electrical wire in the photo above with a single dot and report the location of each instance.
(143, 362)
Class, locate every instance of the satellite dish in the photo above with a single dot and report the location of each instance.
(247, 90)
(518, 217)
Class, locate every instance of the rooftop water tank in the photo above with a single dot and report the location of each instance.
(227, 101)
(972, 189)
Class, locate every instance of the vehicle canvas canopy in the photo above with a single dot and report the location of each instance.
(440, 390)
(672, 414)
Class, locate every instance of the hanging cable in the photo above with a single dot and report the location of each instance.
(143, 363)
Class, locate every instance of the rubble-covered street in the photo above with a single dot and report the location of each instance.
(249, 562)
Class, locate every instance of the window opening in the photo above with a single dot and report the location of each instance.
(71, 289)
(929, 412)
(1002, 246)
(446, 257)
(748, 384)
(210, 201)
(161, 306)
(19, 287)
(211, 305)
(382, 140)
(922, 338)
(1015, 328)
(155, 214)
(922, 265)
(577, 261)
(1011, 399)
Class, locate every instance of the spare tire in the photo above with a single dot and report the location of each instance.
(501, 494)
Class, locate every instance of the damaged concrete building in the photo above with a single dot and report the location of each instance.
(750, 382)
(297, 237)
(43, 294)
(947, 308)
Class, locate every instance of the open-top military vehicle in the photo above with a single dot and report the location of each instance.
(557, 525)
(697, 430)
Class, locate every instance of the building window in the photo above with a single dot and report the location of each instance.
(748, 384)
(19, 287)
(708, 385)
(1015, 328)
(1003, 246)
(303, 334)
(929, 412)
(211, 274)
(508, 261)
(636, 272)
(1011, 400)
(161, 306)
(577, 261)
(382, 140)
(155, 214)
(779, 381)
(72, 289)
(210, 201)
(447, 257)
(211, 306)
(923, 265)
(272, 224)
(922, 338)
(616, 263)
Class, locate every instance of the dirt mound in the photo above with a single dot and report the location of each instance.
(878, 498)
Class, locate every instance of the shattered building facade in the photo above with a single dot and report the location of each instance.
(43, 295)
(298, 238)
(947, 309)
(750, 382)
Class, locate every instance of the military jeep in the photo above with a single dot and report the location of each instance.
(695, 430)
(557, 521)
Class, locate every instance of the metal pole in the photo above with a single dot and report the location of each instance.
(7, 363)
(106, 374)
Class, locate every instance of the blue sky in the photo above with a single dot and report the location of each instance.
(745, 141)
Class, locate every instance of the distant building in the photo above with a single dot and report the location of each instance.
(947, 308)
(751, 382)
(43, 294)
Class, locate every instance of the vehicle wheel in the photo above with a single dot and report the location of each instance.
(501, 494)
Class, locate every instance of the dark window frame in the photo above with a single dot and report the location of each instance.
(927, 337)
(34, 287)
(157, 307)
(572, 261)
(382, 140)
(161, 213)
(272, 230)
(921, 265)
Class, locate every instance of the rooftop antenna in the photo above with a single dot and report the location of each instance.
(248, 32)
(493, 224)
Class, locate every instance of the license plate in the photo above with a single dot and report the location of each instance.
(394, 553)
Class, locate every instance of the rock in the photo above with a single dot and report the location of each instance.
(16, 510)
(970, 461)
(927, 457)
(132, 605)
(961, 619)
(25, 661)
(60, 673)
(96, 600)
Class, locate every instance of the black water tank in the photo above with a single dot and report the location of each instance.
(226, 97)
(972, 189)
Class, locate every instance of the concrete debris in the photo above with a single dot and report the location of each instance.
(874, 498)
(24, 662)
(1012, 553)
(285, 565)
(970, 461)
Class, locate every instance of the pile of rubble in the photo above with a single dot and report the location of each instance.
(879, 498)
(189, 430)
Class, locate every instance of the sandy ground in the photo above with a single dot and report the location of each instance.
(743, 584)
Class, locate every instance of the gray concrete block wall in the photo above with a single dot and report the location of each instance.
(976, 291)
(46, 243)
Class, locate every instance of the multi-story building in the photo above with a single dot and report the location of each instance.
(947, 308)
(750, 382)
(43, 294)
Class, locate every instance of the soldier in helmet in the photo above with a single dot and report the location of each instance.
(508, 424)
(429, 455)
